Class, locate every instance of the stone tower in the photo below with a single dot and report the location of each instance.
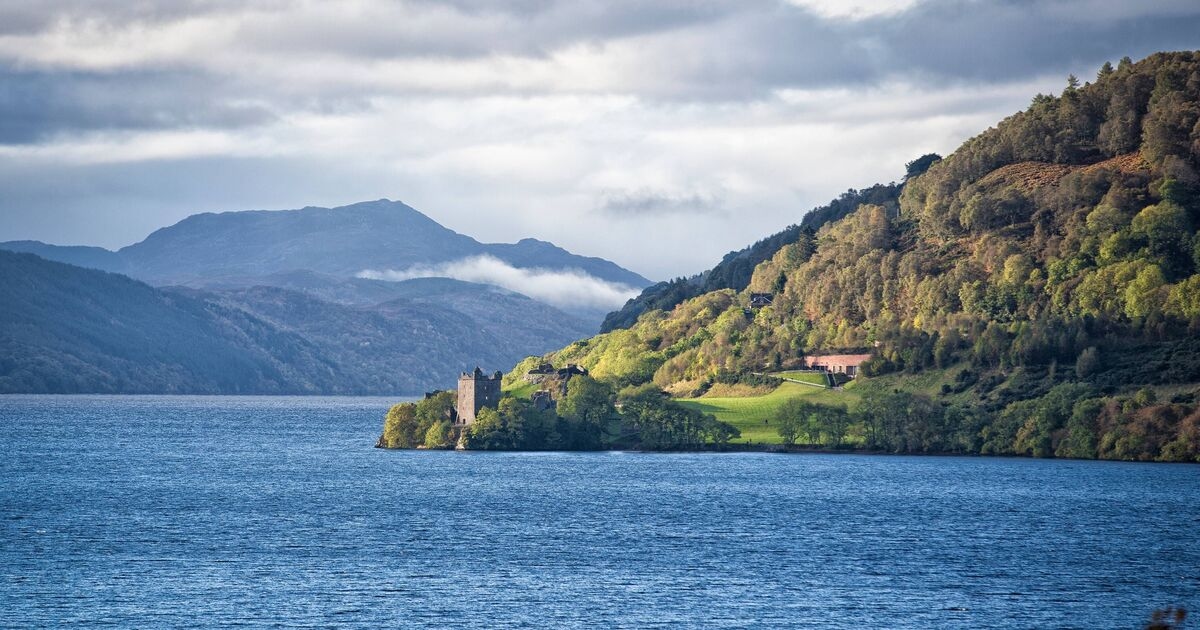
(477, 390)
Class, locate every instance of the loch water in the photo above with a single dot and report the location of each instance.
(141, 512)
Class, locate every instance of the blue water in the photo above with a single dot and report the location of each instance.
(215, 512)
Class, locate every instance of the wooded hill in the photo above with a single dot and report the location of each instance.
(1048, 268)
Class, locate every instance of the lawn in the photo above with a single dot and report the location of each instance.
(753, 415)
(813, 378)
(521, 389)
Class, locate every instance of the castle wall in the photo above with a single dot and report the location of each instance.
(476, 391)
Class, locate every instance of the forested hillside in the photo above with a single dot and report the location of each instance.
(1047, 270)
(65, 329)
(736, 268)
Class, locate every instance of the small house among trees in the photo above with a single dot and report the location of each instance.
(759, 300)
(837, 363)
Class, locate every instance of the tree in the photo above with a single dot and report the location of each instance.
(836, 424)
(587, 407)
(486, 432)
(1166, 230)
(920, 165)
(435, 408)
(663, 424)
(789, 422)
(400, 426)
(438, 435)
(1080, 439)
(1088, 362)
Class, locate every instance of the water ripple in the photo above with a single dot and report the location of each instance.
(267, 512)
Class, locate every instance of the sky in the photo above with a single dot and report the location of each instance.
(659, 135)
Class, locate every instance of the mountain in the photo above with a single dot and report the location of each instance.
(66, 329)
(340, 242)
(1037, 292)
(322, 251)
(80, 256)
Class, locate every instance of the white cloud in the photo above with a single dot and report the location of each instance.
(855, 9)
(567, 288)
(663, 188)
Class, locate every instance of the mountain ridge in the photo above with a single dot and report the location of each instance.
(69, 329)
(341, 241)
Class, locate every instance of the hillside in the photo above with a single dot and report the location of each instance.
(736, 268)
(1044, 276)
(65, 329)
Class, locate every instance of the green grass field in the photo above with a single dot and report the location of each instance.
(753, 415)
(521, 389)
(814, 378)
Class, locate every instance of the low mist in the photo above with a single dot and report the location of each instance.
(563, 288)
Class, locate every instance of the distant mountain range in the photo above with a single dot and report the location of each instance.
(66, 329)
(290, 302)
(340, 242)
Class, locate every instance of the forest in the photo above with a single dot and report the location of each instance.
(589, 416)
(1046, 272)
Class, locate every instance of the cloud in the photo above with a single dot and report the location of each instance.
(502, 168)
(658, 135)
(39, 105)
(640, 203)
(718, 49)
(569, 288)
(855, 9)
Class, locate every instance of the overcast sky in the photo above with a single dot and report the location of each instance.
(659, 134)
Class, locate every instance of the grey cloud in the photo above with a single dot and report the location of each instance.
(24, 16)
(472, 29)
(35, 105)
(762, 49)
(731, 50)
(1009, 40)
(643, 203)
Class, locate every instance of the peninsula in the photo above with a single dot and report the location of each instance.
(1035, 293)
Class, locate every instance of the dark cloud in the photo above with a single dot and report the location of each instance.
(763, 48)
(35, 105)
(1009, 40)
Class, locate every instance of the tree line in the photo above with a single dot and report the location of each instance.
(591, 415)
(1070, 420)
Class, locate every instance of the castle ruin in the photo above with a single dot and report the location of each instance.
(476, 390)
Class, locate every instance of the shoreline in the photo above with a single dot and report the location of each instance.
(779, 449)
